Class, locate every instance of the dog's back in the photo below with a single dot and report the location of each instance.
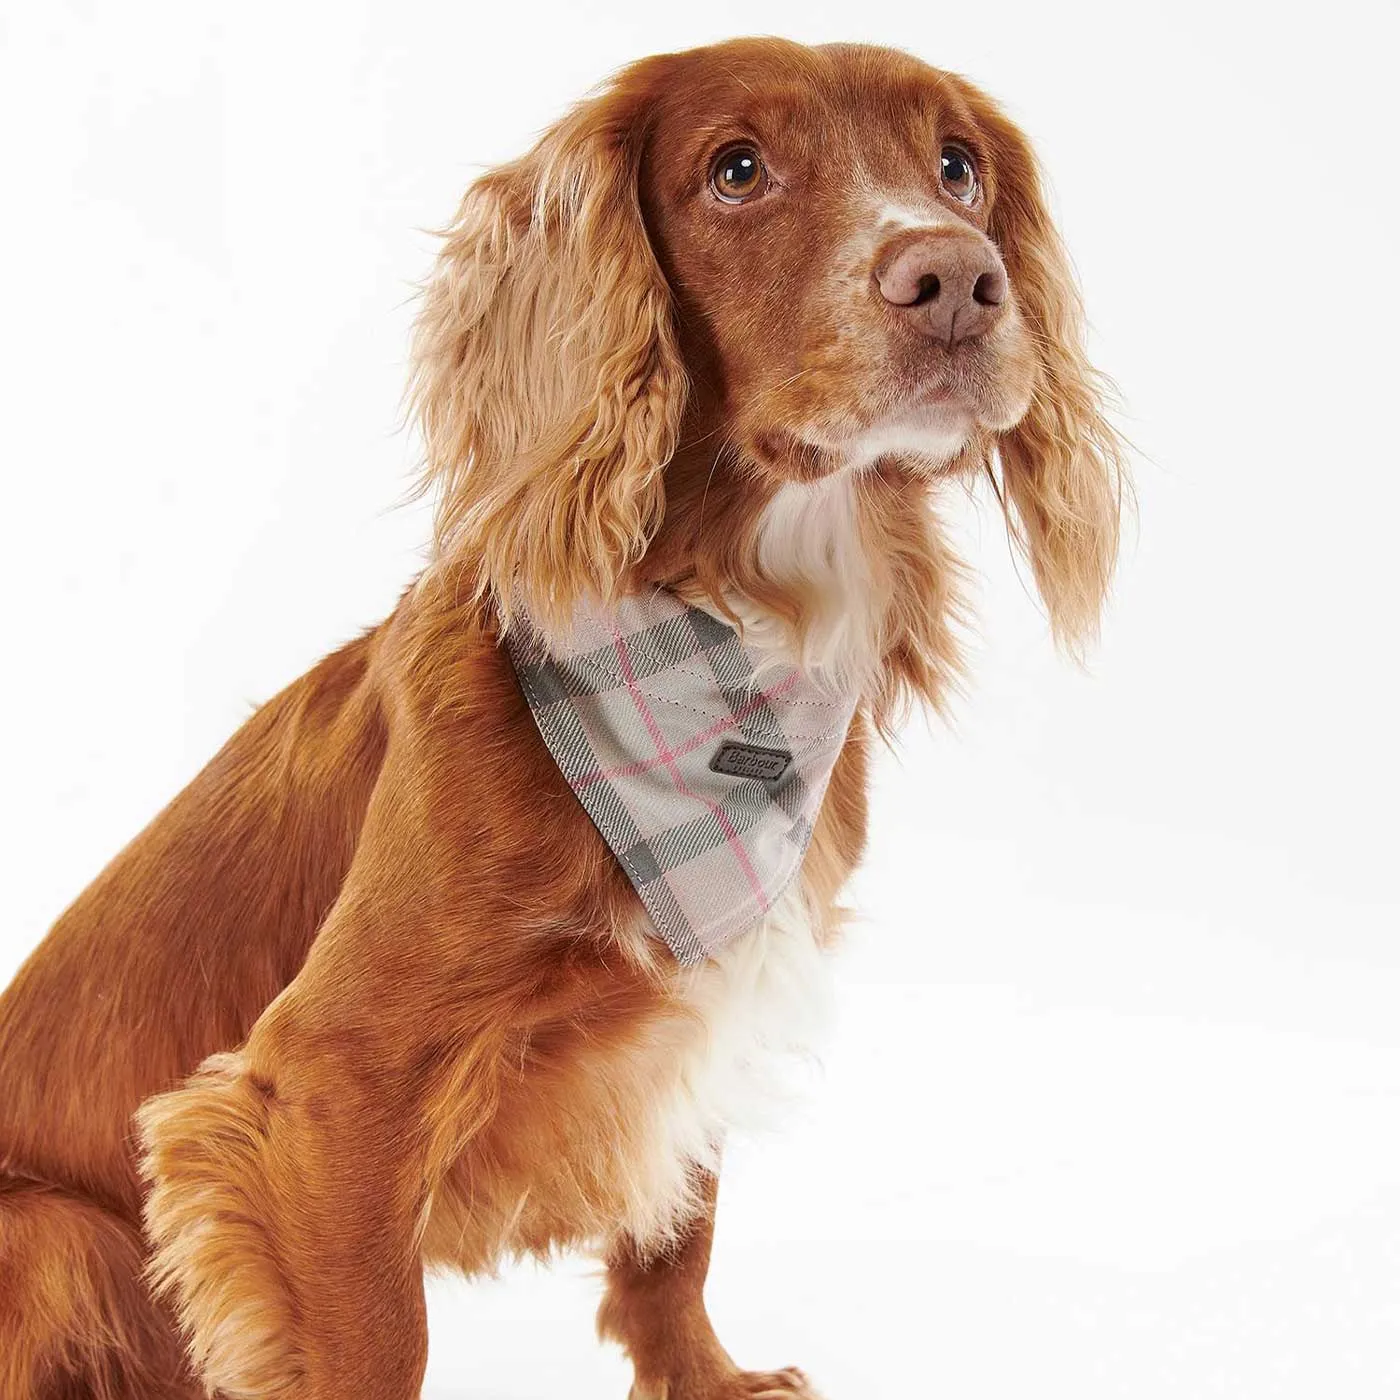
(169, 956)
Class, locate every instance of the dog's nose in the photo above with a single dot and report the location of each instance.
(949, 285)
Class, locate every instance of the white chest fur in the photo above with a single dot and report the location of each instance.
(811, 543)
(742, 1021)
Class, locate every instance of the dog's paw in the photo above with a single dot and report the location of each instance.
(788, 1384)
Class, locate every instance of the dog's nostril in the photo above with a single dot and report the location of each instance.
(990, 289)
(929, 287)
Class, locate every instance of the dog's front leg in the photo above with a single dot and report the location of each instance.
(291, 1180)
(286, 1187)
(654, 1307)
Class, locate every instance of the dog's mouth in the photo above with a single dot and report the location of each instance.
(957, 396)
(962, 377)
(923, 411)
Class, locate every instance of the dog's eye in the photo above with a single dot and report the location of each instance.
(738, 174)
(959, 174)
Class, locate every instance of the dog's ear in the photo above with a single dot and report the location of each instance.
(1063, 471)
(546, 376)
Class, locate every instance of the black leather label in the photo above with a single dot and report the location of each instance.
(750, 761)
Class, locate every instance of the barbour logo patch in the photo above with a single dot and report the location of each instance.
(750, 761)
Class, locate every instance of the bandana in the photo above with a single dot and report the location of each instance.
(704, 781)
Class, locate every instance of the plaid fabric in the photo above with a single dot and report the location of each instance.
(654, 713)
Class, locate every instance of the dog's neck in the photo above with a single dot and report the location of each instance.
(845, 576)
(811, 544)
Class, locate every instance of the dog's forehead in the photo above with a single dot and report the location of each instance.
(835, 99)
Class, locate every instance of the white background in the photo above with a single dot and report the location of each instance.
(1111, 1107)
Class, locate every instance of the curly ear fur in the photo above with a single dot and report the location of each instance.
(546, 375)
(1063, 470)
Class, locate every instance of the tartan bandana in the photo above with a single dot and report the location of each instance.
(703, 782)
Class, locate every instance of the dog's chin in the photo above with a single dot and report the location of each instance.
(929, 436)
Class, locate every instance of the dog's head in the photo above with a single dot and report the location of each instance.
(743, 273)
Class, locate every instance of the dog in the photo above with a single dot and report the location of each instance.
(381, 987)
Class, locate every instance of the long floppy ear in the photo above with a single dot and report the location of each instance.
(546, 377)
(1063, 468)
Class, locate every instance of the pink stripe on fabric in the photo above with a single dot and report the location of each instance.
(645, 765)
(669, 760)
